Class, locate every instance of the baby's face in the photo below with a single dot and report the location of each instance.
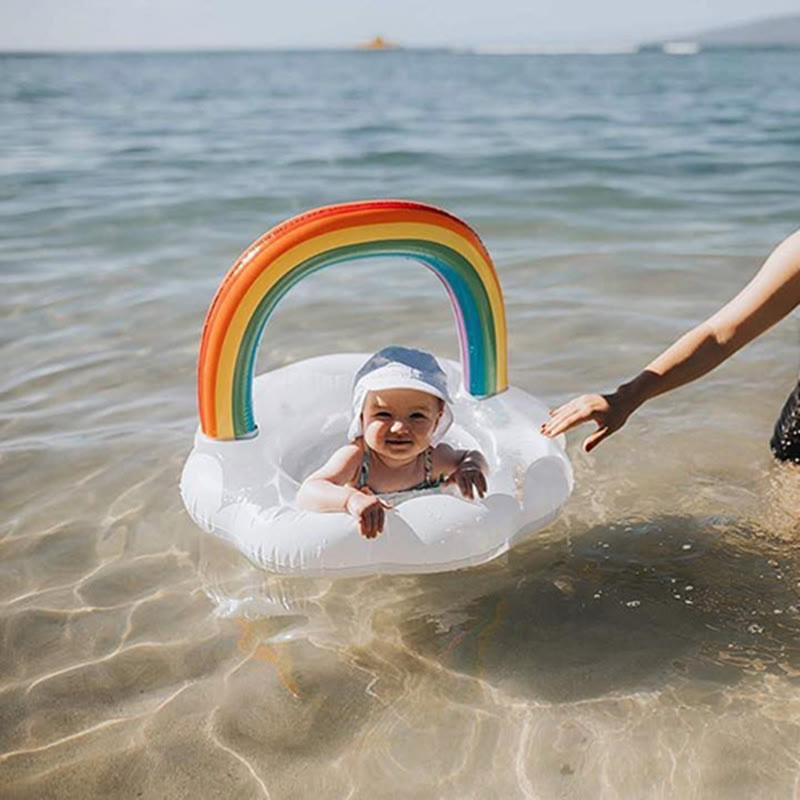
(399, 423)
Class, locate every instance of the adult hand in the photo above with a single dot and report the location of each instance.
(609, 411)
(370, 512)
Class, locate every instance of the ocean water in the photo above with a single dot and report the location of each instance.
(646, 645)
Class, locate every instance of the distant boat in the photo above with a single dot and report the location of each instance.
(681, 48)
(378, 43)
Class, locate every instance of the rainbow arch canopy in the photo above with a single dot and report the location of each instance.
(285, 255)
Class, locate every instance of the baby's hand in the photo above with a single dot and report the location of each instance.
(470, 480)
(369, 511)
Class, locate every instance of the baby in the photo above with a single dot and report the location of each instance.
(401, 412)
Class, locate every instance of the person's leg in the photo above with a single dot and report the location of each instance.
(785, 442)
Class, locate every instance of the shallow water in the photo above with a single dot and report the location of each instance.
(645, 645)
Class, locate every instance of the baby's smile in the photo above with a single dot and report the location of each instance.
(398, 442)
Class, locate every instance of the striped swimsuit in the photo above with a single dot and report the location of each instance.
(429, 485)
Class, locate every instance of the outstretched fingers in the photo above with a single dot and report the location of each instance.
(581, 409)
(564, 418)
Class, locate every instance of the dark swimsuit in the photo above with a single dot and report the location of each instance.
(785, 442)
(430, 484)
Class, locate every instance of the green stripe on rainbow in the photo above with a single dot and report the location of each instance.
(332, 235)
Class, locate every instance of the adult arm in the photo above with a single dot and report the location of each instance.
(768, 298)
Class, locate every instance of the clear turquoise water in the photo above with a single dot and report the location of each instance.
(644, 646)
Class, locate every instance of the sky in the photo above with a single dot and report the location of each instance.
(186, 24)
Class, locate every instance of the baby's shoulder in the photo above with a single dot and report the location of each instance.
(352, 452)
(343, 464)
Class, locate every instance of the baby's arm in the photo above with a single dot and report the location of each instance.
(468, 469)
(325, 490)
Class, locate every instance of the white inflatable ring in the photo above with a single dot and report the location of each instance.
(240, 480)
(243, 491)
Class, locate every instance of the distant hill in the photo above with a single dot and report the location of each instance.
(774, 31)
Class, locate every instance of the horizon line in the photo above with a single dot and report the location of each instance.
(554, 48)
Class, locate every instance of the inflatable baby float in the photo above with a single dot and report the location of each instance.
(259, 437)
